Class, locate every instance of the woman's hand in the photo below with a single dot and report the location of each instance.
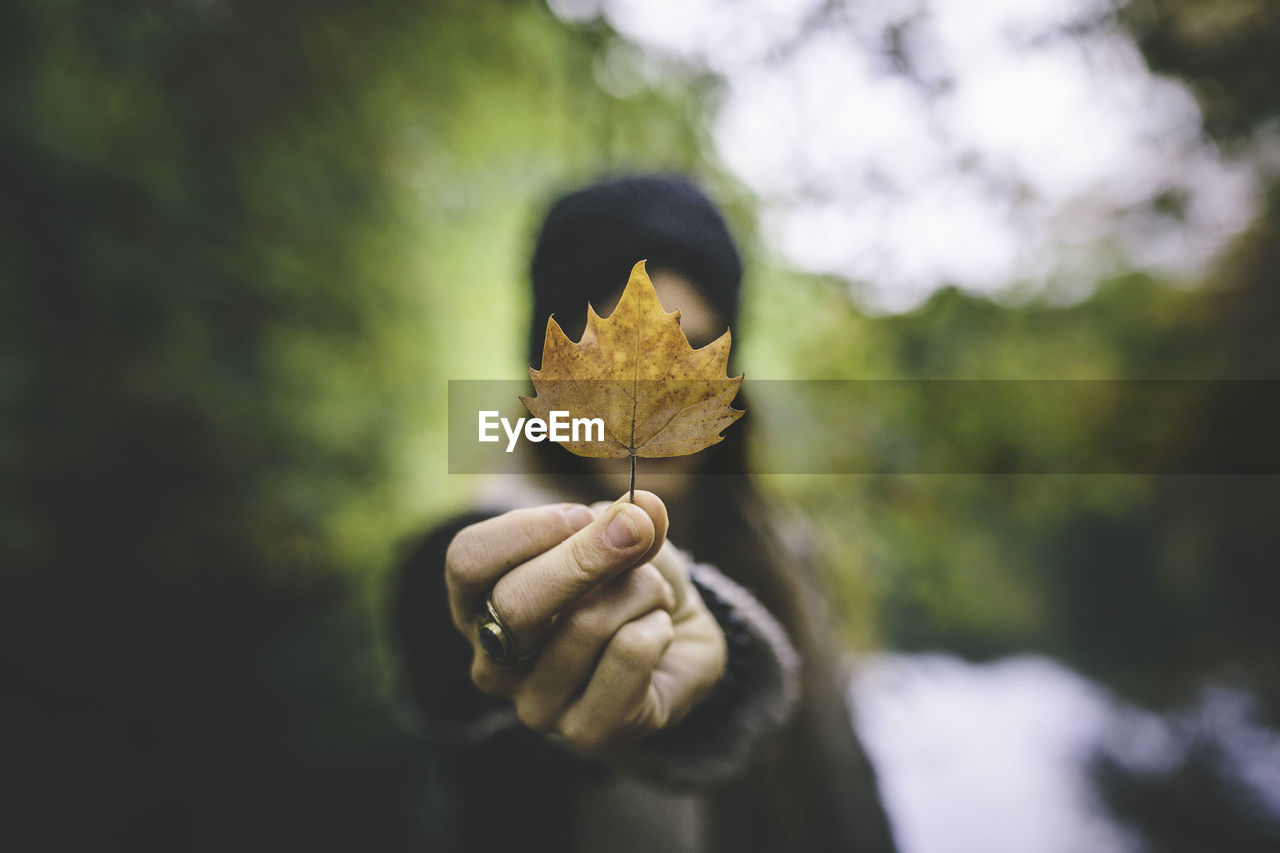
(625, 646)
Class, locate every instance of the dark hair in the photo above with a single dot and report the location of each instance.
(591, 238)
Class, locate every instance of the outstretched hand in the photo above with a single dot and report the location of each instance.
(624, 645)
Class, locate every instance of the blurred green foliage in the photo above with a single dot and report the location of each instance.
(244, 247)
(1151, 583)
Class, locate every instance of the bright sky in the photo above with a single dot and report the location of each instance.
(908, 144)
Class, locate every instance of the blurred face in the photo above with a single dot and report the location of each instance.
(701, 324)
(698, 320)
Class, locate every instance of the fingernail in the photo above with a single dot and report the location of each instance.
(622, 531)
(578, 516)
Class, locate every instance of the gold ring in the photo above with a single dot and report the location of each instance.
(496, 640)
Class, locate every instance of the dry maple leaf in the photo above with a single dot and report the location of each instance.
(657, 395)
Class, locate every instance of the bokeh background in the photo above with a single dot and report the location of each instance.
(245, 245)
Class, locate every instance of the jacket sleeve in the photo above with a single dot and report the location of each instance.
(754, 699)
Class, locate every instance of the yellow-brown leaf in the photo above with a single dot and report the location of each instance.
(636, 370)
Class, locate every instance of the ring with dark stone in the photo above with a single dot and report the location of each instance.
(496, 639)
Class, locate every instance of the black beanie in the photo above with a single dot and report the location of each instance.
(592, 238)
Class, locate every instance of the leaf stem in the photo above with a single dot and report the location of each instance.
(635, 401)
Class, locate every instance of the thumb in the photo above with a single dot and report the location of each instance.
(657, 512)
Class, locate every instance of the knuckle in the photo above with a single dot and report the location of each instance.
(534, 714)
(629, 645)
(486, 678)
(462, 555)
(516, 601)
(583, 627)
(571, 730)
(638, 644)
(643, 723)
(648, 582)
(646, 724)
(583, 735)
(650, 716)
(660, 628)
(664, 627)
(656, 719)
(509, 598)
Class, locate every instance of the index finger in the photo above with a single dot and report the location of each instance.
(530, 595)
(486, 550)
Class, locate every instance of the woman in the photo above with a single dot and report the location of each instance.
(585, 683)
